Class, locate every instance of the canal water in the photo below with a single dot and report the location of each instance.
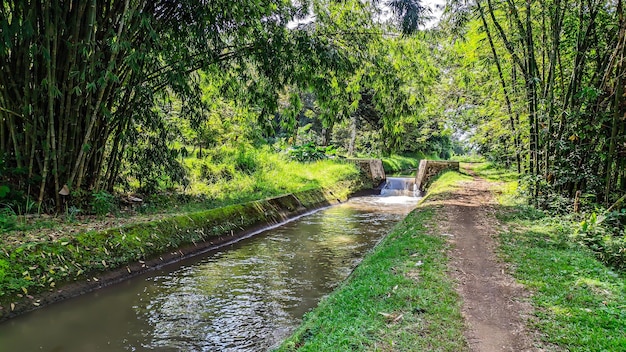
(247, 296)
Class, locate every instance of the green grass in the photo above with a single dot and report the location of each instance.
(233, 177)
(443, 184)
(404, 164)
(239, 176)
(468, 158)
(580, 303)
(492, 172)
(399, 298)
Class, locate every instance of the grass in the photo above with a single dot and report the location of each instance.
(403, 165)
(443, 184)
(233, 177)
(580, 303)
(266, 174)
(471, 158)
(492, 172)
(399, 298)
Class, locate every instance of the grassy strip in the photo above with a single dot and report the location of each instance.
(443, 184)
(580, 303)
(233, 178)
(404, 164)
(42, 265)
(399, 298)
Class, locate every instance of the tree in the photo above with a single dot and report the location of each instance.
(562, 59)
(77, 77)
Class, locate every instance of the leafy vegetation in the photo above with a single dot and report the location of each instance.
(192, 104)
(310, 152)
(539, 85)
(96, 96)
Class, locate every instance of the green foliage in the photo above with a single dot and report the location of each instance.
(71, 213)
(505, 97)
(8, 219)
(102, 203)
(605, 236)
(310, 152)
(4, 190)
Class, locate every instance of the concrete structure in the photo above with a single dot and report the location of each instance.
(373, 168)
(431, 168)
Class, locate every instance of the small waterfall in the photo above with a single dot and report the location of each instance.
(400, 186)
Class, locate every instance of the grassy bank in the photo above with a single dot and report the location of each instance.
(404, 164)
(32, 263)
(399, 298)
(580, 303)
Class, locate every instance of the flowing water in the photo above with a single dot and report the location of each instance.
(247, 296)
(400, 186)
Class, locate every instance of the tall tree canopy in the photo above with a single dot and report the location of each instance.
(77, 74)
(87, 85)
(551, 74)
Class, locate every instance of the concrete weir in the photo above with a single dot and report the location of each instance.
(431, 168)
(373, 168)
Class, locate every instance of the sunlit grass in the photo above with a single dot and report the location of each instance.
(580, 303)
(492, 172)
(237, 176)
(443, 184)
(405, 165)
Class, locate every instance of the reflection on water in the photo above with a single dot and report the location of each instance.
(244, 297)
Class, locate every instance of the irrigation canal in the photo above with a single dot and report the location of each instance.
(247, 296)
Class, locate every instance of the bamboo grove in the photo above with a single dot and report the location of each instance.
(88, 88)
(559, 68)
(76, 75)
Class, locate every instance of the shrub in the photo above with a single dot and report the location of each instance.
(604, 235)
(102, 203)
(310, 152)
(8, 219)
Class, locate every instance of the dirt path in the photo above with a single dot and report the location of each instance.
(494, 305)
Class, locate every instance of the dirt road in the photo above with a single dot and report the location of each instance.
(495, 307)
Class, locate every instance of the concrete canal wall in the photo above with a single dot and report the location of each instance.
(428, 169)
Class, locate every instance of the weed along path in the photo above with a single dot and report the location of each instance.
(494, 306)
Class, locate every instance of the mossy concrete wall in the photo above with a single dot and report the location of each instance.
(431, 168)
